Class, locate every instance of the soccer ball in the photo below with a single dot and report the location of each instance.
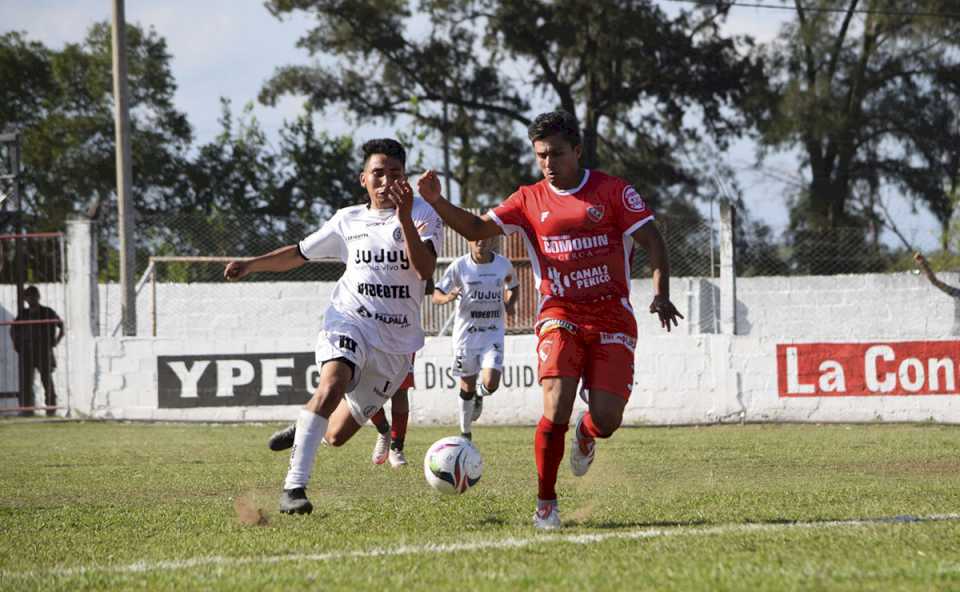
(452, 465)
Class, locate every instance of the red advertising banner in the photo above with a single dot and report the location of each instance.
(896, 368)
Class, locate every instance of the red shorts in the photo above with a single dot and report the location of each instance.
(408, 381)
(595, 341)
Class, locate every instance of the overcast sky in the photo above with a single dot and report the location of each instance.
(229, 48)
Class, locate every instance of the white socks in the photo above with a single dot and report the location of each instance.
(311, 428)
(466, 414)
(482, 390)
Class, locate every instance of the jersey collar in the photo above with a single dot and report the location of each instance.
(583, 181)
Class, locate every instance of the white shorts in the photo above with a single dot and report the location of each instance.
(376, 375)
(469, 362)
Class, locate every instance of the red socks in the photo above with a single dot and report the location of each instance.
(548, 447)
(590, 429)
(399, 429)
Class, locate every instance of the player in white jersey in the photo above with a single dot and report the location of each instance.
(372, 324)
(486, 286)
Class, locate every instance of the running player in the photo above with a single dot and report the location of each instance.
(372, 325)
(580, 227)
(486, 285)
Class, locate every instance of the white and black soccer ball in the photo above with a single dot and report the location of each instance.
(452, 465)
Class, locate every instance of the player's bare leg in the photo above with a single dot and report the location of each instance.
(399, 413)
(311, 429)
(381, 447)
(468, 405)
(601, 421)
(559, 394)
(488, 384)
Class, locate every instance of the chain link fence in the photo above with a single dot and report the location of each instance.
(692, 244)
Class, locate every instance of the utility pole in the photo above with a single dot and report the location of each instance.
(125, 210)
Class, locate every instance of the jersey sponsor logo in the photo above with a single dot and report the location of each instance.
(595, 213)
(398, 319)
(587, 277)
(632, 200)
(484, 314)
(363, 312)
(380, 257)
(620, 338)
(590, 276)
(356, 237)
(485, 295)
(383, 291)
(544, 215)
(476, 329)
(565, 244)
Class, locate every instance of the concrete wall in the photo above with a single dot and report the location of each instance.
(701, 372)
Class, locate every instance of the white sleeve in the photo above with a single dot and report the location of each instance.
(430, 226)
(326, 243)
(450, 279)
(511, 276)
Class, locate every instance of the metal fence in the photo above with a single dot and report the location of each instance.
(692, 244)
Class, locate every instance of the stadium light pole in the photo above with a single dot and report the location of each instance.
(125, 210)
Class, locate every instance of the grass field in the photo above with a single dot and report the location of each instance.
(163, 506)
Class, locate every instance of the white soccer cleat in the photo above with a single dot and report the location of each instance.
(397, 459)
(582, 450)
(547, 517)
(381, 449)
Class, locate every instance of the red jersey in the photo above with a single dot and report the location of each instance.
(579, 239)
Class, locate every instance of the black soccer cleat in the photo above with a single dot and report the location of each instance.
(294, 501)
(283, 439)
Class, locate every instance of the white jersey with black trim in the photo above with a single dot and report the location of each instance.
(480, 309)
(379, 290)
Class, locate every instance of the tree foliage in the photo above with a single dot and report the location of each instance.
(867, 91)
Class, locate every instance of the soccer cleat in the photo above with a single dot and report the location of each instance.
(477, 407)
(294, 501)
(282, 439)
(381, 449)
(547, 517)
(397, 458)
(582, 450)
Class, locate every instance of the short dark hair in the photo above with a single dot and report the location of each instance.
(386, 146)
(554, 123)
(31, 290)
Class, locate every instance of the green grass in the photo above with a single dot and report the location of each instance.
(82, 502)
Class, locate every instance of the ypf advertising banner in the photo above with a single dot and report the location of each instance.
(236, 380)
(895, 368)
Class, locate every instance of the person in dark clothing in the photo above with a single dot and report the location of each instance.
(34, 341)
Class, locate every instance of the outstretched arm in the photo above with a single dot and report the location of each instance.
(282, 259)
(648, 237)
(470, 226)
(422, 254)
(925, 267)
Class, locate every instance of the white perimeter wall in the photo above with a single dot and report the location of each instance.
(691, 375)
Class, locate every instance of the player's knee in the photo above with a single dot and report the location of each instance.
(606, 424)
(335, 440)
(466, 395)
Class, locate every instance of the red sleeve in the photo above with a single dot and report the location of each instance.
(511, 215)
(633, 211)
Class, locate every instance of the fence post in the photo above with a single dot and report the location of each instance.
(728, 275)
(82, 318)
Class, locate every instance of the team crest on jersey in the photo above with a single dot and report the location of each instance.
(632, 200)
(397, 234)
(595, 213)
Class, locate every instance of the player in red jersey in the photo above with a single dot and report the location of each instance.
(580, 227)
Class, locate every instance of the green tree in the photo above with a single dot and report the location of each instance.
(475, 68)
(866, 90)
